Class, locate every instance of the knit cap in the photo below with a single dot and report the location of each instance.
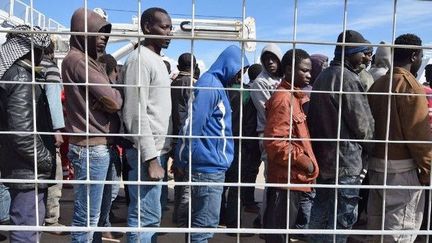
(351, 36)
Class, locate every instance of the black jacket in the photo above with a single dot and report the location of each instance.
(356, 122)
(17, 150)
(180, 99)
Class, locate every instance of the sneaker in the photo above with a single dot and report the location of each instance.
(56, 232)
(112, 235)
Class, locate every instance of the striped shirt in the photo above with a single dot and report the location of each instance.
(52, 73)
(53, 92)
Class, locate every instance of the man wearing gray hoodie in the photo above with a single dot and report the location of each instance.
(261, 91)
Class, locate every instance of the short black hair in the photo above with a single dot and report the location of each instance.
(109, 61)
(254, 70)
(185, 61)
(428, 73)
(148, 16)
(300, 55)
(406, 39)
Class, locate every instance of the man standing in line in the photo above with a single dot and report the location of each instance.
(147, 115)
(180, 95)
(408, 164)
(356, 122)
(286, 119)
(97, 115)
(212, 153)
(17, 151)
(53, 90)
(262, 89)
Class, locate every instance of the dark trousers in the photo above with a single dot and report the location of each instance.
(276, 212)
(23, 212)
(181, 201)
(229, 207)
(251, 161)
(304, 211)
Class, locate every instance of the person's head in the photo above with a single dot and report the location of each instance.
(95, 23)
(227, 66)
(237, 79)
(410, 58)
(271, 56)
(302, 67)
(185, 62)
(49, 51)
(354, 55)
(367, 60)
(319, 63)
(18, 46)
(101, 41)
(110, 66)
(428, 73)
(156, 21)
(253, 71)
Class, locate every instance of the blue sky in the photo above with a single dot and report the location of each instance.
(318, 20)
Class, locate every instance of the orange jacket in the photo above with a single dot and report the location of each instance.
(278, 112)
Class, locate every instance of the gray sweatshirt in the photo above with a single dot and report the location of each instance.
(147, 110)
(266, 86)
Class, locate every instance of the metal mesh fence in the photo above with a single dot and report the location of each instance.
(143, 87)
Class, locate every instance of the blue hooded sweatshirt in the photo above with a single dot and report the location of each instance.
(210, 115)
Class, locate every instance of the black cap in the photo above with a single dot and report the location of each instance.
(351, 36)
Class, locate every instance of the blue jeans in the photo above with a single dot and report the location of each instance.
(5, 201)
(322, 214)
(150, 207)
(114, 174)
(99, 163)
(206, 201)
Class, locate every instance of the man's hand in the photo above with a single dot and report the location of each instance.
(155, 171)
(304, 163)
(58, 140)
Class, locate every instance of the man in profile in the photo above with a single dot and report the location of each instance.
(353, 124)
(147, 115)
(408, 164)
